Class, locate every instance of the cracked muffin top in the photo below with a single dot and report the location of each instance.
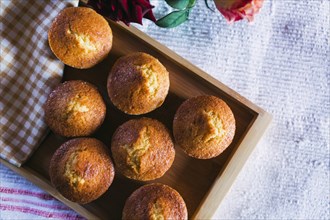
(138, 83)
(142, 149)
(80, 37)
(81, 169)
(156, 202)
(204, 126)
(75, 108)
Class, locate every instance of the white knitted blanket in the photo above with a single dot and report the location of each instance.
(281, 62)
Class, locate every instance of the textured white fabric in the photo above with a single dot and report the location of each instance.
(20, 199)
(281, 62)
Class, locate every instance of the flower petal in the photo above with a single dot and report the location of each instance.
(234, 10)
(124, 10)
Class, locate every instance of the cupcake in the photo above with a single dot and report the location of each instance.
(81, 170)
(155, 201)
(80, 37)
(204, 126)
(142, 149)
(138, 83)
(74, 108)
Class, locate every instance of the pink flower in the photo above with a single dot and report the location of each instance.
(234, 10)
(124, 10)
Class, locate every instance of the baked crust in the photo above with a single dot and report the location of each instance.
(155, 202)
(142, 149)
(74, 108)
(138, 83)
(204, 126)
(80, 37)
(81, 169)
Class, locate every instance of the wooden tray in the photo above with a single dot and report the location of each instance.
(202, 183)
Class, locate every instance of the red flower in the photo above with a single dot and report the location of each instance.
(124, 10)
(234, 10)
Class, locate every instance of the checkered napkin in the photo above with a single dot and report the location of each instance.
(29, 71)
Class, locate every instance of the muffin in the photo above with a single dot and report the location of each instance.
(138, 83)
(81, 169)
(74, 108)
(80, 37)
(155, 201)
(204, 126)
(142, 149)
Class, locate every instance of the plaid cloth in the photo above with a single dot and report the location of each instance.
(29, 71)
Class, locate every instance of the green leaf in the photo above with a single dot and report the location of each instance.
(191, 3)
(178, 4)
(173, 19)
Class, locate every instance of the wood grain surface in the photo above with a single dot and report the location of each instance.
(202, 183)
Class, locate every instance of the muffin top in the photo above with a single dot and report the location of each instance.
(74, 108)
(204, 126)
(138, 83)
(81, 169)
(142, 149)
(80, 37)
(155, 201)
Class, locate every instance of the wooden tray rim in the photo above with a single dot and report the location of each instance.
(224, 180)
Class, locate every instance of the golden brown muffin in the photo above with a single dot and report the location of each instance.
(138, 83)
(142, 149)
(155, 202)
(74, 108)
(204, 126)
(81, 169)
(80, 37)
